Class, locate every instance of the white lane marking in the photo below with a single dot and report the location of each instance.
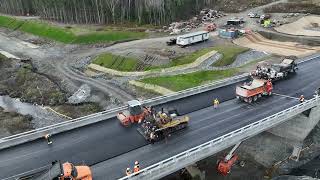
(18, 176)
(286, 96)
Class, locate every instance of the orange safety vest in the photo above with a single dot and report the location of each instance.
(136, 168)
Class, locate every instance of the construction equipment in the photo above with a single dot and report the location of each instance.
(160, 125)
(172, 41)
(65, 171)
(276, 71)
(225, 165)
(211, 27)
(136, 113)
(249, 92)
(253, 15)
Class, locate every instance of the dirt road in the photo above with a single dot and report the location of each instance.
(258, 42)
(57, 61)
(302, 27)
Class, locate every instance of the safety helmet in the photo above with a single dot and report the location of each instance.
(136, 163)
(128, 169)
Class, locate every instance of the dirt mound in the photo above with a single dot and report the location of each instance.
(305, 26)
(258, 42)
(21, 80)
(13, 123)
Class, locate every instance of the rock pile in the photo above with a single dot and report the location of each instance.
(205, 16)
(209, 15)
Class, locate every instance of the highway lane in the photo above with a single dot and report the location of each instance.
(102, 141)
(207, 124)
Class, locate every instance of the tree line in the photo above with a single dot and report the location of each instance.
(156, 12)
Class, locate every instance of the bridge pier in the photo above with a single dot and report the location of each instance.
(297, 129)
(194, 171)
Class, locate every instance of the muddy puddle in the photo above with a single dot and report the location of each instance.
(41, 116)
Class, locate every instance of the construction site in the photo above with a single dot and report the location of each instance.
(138, 89)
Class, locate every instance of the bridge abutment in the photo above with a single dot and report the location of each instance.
(297, 129)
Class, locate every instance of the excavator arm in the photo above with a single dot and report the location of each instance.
(225, 165)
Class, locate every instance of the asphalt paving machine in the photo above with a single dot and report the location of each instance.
(59, 171)
(276, 71)
(136, 113)
(160, 125)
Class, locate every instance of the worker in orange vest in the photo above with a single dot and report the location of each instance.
(136, 167)
(301, 99)
(48, 138)
(128, 172)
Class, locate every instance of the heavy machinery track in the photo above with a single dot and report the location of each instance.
(255, 39)
(258, 42)
(66, 69)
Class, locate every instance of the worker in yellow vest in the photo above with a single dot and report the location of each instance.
(216, 103)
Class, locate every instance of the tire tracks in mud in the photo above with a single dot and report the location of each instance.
(68, 71)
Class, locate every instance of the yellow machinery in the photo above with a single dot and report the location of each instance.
(160, 125)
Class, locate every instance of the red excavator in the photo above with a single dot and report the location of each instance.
(136, 113)
(211, 27)
(225, 165)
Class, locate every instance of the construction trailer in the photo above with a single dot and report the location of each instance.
(191, 38)
(235, 22)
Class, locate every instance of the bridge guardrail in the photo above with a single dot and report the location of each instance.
(204, 150)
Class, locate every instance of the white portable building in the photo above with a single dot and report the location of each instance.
(191, 38)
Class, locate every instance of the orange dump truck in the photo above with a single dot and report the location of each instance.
(249, 92)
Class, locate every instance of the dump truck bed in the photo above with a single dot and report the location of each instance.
(240, 91)
(256, 87)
